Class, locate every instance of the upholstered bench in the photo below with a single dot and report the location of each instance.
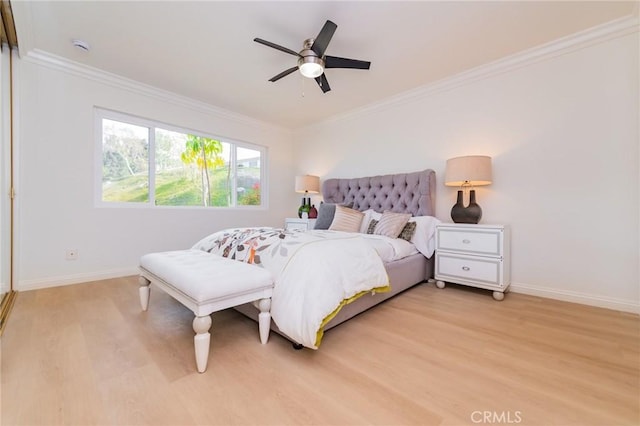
(206, 283)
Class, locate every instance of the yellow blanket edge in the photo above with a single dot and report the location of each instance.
(320, 333)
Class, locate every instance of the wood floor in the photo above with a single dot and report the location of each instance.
(86, 354)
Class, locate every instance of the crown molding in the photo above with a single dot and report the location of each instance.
(565, 45)
(599, 34)
(59, 63)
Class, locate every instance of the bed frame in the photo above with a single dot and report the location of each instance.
(403, 193)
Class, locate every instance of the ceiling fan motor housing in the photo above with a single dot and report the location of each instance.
(308, 43)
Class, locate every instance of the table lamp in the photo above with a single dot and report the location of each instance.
(467, 172)
(307, 184)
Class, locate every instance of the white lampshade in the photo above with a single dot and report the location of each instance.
(308, 183)
(469, 170)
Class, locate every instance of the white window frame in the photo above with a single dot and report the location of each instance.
(102, 113)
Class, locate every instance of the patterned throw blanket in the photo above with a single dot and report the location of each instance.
(315, 273)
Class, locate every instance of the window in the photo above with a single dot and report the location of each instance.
(142, 162)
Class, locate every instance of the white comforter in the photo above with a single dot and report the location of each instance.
(389, 249)
(315, 273)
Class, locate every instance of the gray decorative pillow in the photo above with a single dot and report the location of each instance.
(326, 212)
(408, 231)
(372, 226)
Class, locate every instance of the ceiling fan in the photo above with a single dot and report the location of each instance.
(311, 59)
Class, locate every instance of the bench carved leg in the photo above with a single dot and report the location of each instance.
(201, 341)
(144, 292)
(264, 319)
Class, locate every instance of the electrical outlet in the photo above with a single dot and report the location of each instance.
(72, 254)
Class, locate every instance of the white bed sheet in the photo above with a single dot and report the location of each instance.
(390, 249)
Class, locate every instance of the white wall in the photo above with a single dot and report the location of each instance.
(563, 134)
(562, 130)
(56, 176)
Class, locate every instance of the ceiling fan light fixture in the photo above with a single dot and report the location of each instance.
(311, 66)
(312, 59)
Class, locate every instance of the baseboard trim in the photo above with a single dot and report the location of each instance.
(546, 292)
(26, 285)
(577, 297)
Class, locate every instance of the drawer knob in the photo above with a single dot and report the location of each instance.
(465, 241)
(466, 268)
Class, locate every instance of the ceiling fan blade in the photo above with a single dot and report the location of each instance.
(283, 74)
(276, 46)
(324, 37)
(323, 83)
(335, 62)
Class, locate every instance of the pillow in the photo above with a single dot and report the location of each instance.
(369, 216)
(365, 221)
(391, 224)
(346, 220)
(326, 211)
(408, 231)
(372, 226)
(325, 216)
(424, 237)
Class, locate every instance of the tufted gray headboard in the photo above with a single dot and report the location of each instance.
(403, 193)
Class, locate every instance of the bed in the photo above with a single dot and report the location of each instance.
(412, 193)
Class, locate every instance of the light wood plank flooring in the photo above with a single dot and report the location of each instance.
(87, 355)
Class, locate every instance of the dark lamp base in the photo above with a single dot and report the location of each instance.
(470, 214)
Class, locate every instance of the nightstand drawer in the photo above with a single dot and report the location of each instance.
(463, 269)
(482, 241)
(299, 224)
(302, 226)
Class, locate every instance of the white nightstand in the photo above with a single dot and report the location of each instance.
(291, 223)
(473, 255)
